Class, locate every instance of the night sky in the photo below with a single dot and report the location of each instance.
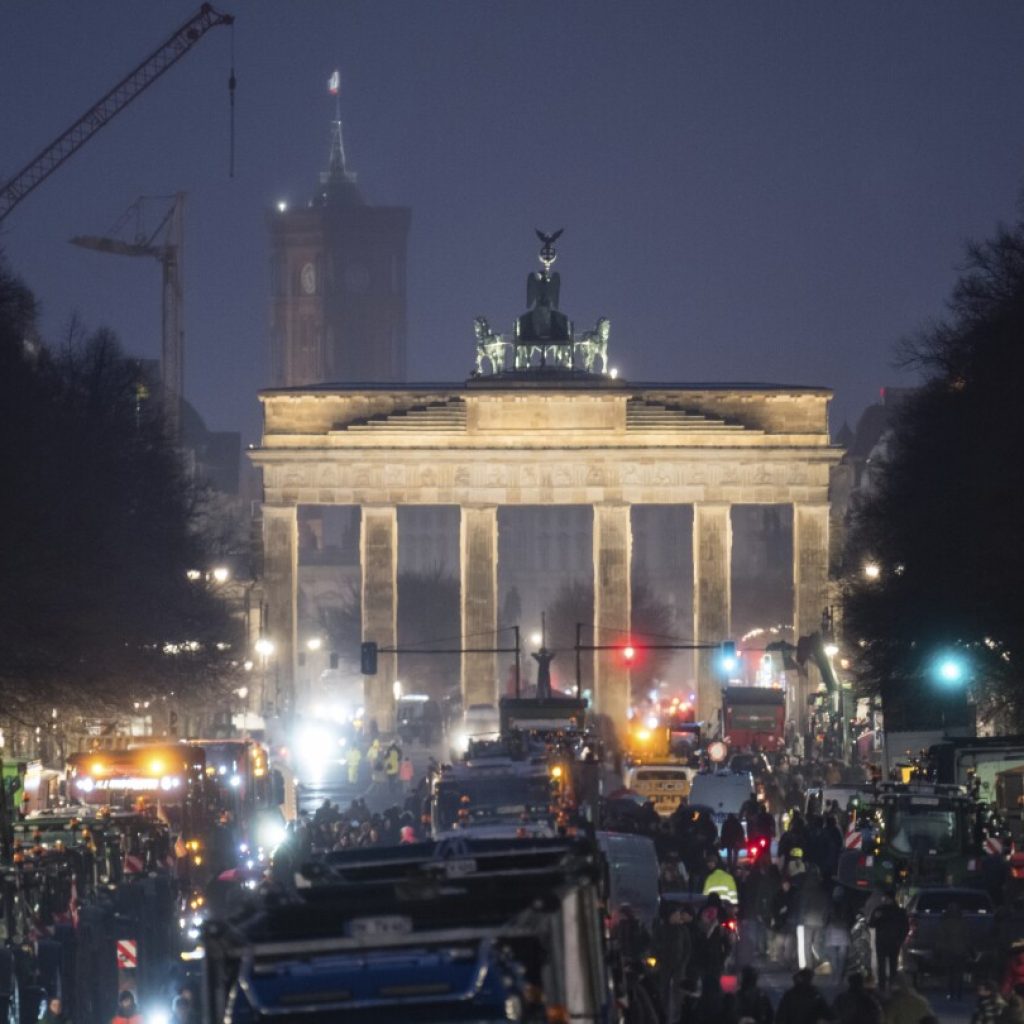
(751, 192)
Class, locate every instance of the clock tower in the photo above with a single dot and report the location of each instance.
(337, 278)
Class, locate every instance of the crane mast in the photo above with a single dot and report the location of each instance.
(166, 245)
(132, 85)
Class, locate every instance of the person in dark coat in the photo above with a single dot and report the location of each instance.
(857, 1005)
(891, 926)
(752, 1002)
(803, 1003)
(733, 838)
(673, 945)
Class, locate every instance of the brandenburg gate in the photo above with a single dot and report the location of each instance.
(542, 421)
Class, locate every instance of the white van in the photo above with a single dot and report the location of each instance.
(724, 792)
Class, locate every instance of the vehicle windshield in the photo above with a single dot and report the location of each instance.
(493, 801)
(923, 825)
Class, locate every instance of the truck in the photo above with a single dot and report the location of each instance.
(916, 834)
(470, 930)
(495, 796)
(986, 766)
(754, 717)
(542, 715)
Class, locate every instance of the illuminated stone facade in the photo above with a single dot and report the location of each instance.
(545, 439)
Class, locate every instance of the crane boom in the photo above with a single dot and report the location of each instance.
(132, 85)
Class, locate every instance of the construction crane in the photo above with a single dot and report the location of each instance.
(164, 243)
(165, 56)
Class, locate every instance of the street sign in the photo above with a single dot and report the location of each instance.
(127, 954)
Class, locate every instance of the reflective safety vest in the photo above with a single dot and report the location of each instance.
(721, 882)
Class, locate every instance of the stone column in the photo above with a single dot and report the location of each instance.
(378, 558)
(280, 590)
(478, 563)
(712, 602)
(810, 588)
(613, 551)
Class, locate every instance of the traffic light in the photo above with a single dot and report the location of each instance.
(629, 654)
(728, 659)
(368, 658)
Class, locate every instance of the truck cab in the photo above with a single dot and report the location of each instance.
(469, 930)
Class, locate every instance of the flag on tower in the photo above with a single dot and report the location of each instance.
(334, 83)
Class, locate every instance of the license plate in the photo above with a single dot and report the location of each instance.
(379, 927)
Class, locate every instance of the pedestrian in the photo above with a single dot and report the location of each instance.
(127, 1011)
(891, 925)
(733, 837)
(181, 1011)
(953, 948)
(752, 1002)
(837, 940)
(392, 765)
(719, 881)
(990, 1003)
(405, 773)
(803, 1003)
(812, 909)
(673, 945)
(906, 1005)
(54, 1012)
(783, 923)
(713, 1006)
(353, 761)
(857, 1004)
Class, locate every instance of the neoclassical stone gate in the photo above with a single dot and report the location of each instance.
(543, 437)
(543, 422)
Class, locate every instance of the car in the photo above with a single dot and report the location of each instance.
(418, 717)
(724, 791)
(925, 910)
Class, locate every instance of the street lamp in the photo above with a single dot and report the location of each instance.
(872, 570)
(220, 574)
(314, 643)
(950, 669)
(536, 638)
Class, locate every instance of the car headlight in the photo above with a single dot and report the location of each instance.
(271, 834)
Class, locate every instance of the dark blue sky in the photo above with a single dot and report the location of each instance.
(772, 192)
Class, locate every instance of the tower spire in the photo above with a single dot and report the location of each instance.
(337, 177)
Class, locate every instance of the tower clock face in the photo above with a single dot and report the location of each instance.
(357, 278)
(307, 277)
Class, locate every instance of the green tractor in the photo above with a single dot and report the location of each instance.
(913, 835)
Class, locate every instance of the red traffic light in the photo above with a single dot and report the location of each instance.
(628, 653)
